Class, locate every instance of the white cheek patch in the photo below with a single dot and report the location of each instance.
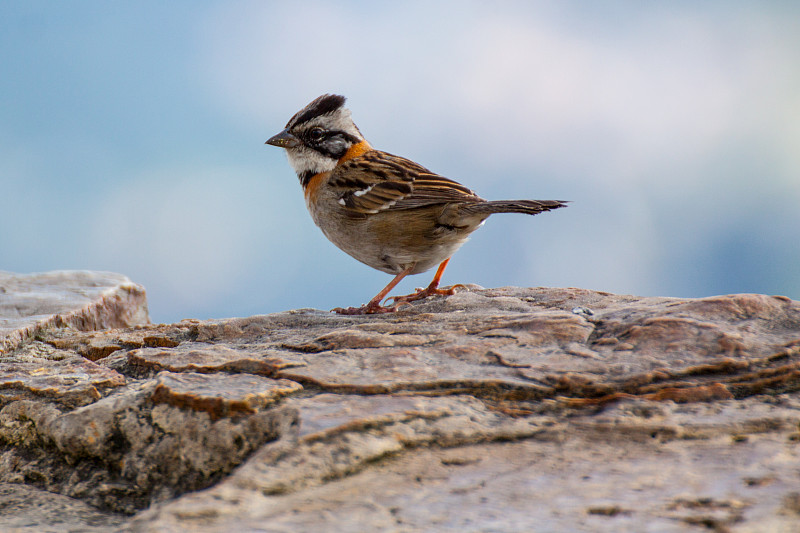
(304, 160)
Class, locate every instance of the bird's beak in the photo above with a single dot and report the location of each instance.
(283, 140)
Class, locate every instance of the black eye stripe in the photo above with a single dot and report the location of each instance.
(327, 134)
(352, 139)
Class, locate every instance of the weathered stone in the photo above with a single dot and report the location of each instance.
(502, 410)
(135, 447)
(27, 509)
(57, 375)
(201, 357)
(33, 303)
(221, 396)
(567, 479)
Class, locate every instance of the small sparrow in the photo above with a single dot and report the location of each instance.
(384, 210)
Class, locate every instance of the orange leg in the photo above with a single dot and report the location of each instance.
(430, 290)
(374, 305)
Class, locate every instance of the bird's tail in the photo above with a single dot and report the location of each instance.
(528, 207)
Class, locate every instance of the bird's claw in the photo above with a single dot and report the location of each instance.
(420, 294)
(366, 309)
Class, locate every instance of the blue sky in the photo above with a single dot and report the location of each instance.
(131, 140)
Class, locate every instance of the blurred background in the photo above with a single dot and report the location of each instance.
(132, 140)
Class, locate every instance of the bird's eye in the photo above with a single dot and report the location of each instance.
(316, 134)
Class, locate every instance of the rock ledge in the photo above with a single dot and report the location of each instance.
(86, 301)
(502, 409)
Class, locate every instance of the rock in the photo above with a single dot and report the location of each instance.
(26, 509)
(32, 303)
(506, 409)
(146, 443)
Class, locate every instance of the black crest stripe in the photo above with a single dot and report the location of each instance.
(325, 104)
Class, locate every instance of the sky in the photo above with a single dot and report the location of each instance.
(132, 140)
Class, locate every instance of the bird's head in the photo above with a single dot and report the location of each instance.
(317, 136)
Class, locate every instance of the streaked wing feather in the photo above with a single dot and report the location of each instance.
(377, 181)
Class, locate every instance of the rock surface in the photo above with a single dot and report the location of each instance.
(506, 409)
(33, 303)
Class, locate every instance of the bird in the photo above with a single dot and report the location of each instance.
(384, 210)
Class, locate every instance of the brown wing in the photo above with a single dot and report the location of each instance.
(377, 181)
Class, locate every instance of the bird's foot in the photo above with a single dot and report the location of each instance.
(371, 308)
(374, 307)
(420, 294)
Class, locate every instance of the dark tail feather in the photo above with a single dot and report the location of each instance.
(529, 207)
